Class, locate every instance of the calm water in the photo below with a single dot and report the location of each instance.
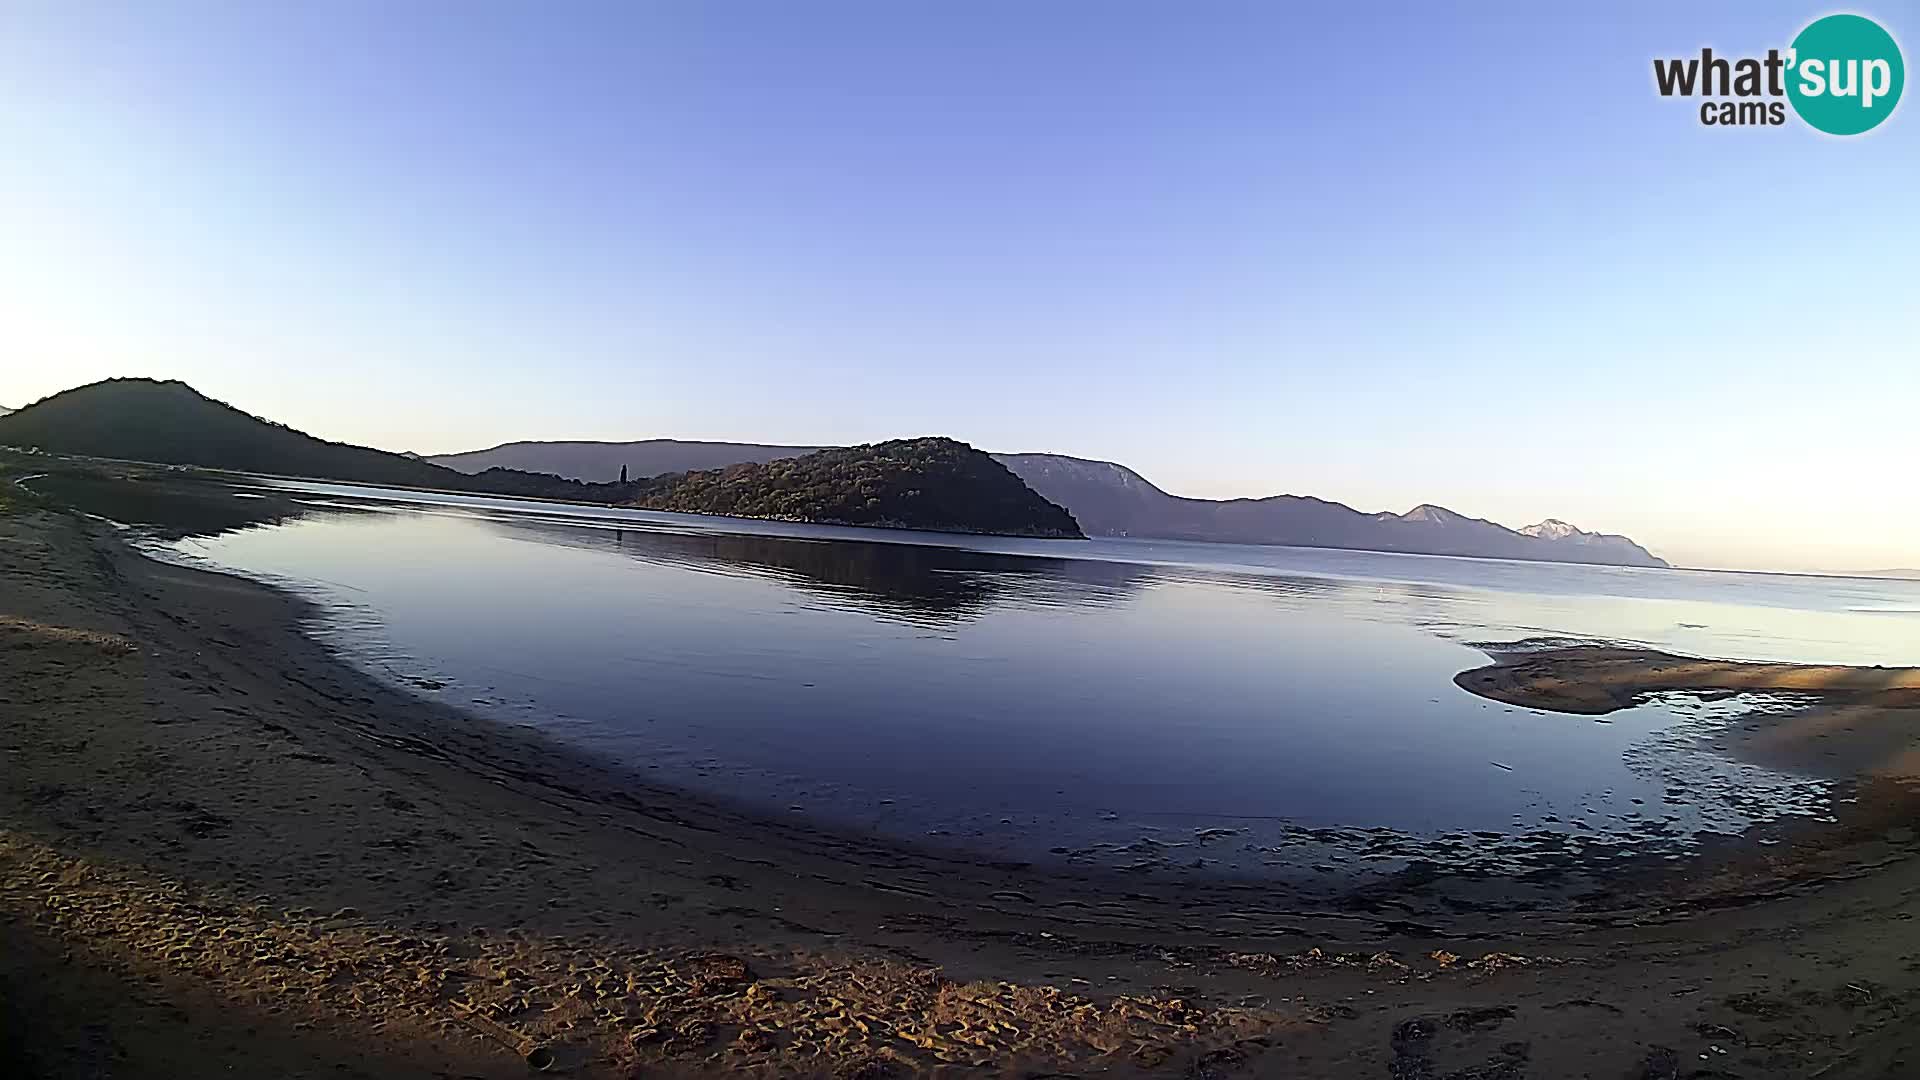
(1124, 703)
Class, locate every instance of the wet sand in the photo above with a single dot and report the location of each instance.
(1597, 680)
(221, 850)
(1829, 720)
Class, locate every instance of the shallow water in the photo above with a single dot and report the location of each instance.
(1122, 703)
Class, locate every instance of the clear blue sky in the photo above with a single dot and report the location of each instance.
(1409, 253)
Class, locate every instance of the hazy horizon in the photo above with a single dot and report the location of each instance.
(1466, 258)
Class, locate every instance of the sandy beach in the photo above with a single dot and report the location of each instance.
(224, 852)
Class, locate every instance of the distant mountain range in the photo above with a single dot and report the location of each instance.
(932, 483)
(1113, 500)
(601, 462)
(925, 483)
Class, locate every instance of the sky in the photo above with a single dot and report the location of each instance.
(1384, 254)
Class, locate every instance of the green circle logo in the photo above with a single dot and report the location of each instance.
(1845, 74)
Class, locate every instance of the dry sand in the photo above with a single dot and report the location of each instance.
(222, 852)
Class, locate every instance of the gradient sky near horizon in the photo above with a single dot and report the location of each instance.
(1390, 254)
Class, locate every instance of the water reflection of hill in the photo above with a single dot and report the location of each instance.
(161, 501)
(909, 582)
(925, 584)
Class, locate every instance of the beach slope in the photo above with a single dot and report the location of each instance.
(223, 851)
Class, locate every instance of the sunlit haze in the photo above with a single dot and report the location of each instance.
(1469, 258)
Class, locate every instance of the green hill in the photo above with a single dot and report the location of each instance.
(934, 484)
(173, 424)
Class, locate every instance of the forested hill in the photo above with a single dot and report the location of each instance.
(172, 423)
(931, 483)
(935, 484)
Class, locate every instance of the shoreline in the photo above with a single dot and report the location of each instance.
(1596, 680)
(175, 734)
(1835, 721)
(230, 476)
(227, 475)
(1332, 863)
